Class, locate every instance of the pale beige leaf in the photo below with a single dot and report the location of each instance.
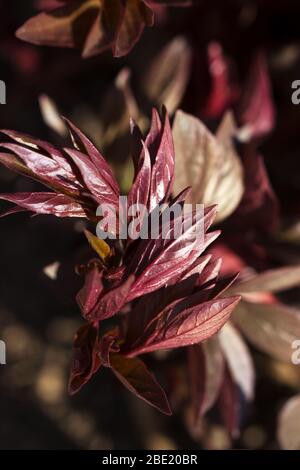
(51, 115)
(166, 78)
(51, 270)
(289, 425)
(117, 107)
(272, 328)
(273, 280)
(290, 234)
(208, 163)
(214, 372)
(206, 368)
(239, 360)
(56, 28)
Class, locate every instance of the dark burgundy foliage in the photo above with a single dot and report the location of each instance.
(79, 177)
(93, 25)
(168, 287)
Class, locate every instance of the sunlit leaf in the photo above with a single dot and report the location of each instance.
(182, 326)
(46, 203)
(272, 328)
(238, 359)
(207, 163)
(100, 246)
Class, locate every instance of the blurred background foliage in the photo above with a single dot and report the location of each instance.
(38, 316)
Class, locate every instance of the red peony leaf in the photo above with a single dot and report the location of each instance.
(139, 193)
(112, 301)
(163, 165)
(15, 164)
(46, 203)
(160, 261)
(107, 346)
(82, 174)
(91, 25)
(88, 296)
(103, 32)
(256, 109)
(135, 376)
(153, 304)
(229, 404)
(206, 367)
(85, 360)
(136, 145)
(135, 17)
(83, 144)
(46, 169)
(222, 90)
(97, 185)
(259, 206)
(182, 325)
(49, 4)
(13, 210)
(37, 144)
(65, 26)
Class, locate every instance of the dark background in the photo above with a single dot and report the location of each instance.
(38, 317)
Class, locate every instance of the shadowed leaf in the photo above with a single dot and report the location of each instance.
(85, 360)
(166, 79)
(206, 366)
(135, 376)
